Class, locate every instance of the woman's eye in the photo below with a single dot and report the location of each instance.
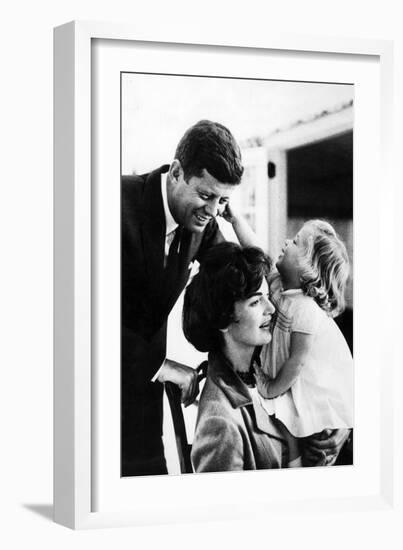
(204, 197)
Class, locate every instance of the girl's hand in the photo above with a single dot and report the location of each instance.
(245, 234)
(229, 214)
(262, 380)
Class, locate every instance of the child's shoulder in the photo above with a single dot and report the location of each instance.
(302, 301)
(307, 315)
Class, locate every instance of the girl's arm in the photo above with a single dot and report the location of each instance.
(269, 388)
(245, 234)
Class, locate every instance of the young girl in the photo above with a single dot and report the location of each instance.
(306, 377)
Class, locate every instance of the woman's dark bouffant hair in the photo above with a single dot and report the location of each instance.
(227, 274)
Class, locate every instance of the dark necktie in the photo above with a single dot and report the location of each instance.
(173, 253)
(171, 271)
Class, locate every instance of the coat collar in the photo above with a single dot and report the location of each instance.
(238, 394)
(222, 373)
(153, 204)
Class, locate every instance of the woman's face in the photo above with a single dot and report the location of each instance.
(251, 326)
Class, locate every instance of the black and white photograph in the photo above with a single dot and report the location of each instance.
(201, 335)
(237, 267)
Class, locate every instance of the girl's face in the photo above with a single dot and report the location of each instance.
(288, 263)
(251, 326)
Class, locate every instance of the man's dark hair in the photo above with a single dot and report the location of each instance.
(227, 274)
(210, 145)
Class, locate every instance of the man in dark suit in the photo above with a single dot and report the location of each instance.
(168, 221)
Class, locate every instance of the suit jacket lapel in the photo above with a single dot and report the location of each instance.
(263, 421)
(188, 248)
(153, 230)
(153, 233)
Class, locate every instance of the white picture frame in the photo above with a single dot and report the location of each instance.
(74, 293)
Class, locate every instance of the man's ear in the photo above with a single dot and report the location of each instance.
(175, 171)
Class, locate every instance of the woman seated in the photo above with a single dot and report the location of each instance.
(227, 313)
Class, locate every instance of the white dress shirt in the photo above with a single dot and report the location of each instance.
(170, 223)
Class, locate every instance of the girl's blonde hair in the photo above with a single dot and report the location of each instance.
(324, 266)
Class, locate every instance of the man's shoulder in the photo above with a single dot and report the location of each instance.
(139, 191)
(135, 183)
(133, 179)
(132, 188)
(132, 193)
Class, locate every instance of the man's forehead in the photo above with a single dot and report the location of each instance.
(213, 186)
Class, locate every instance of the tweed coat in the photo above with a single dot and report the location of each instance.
(233, 432)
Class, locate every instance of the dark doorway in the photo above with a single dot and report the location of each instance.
(320, 185)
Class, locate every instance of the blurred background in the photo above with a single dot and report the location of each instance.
(297, 149)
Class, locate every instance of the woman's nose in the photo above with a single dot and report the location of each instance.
(270, 309)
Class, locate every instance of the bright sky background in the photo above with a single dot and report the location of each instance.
(158, 109)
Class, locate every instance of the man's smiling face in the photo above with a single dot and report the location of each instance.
(195, 202)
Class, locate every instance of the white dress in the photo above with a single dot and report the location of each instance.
(322, 396)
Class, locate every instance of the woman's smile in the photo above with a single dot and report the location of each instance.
(252, 323)
(267, 324)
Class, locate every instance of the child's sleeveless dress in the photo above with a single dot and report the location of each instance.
(322, 396)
